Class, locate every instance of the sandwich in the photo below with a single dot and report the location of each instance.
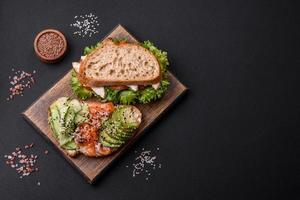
(92, 128)
(121, 72)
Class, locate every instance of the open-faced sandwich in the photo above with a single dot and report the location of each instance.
(92, 128)
(121, 72)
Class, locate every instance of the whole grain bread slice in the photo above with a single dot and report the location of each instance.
(119, 64)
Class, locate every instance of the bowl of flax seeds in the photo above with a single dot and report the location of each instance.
(50, 45)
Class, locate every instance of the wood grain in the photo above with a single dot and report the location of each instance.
(91, 168)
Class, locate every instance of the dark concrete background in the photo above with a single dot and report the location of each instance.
(233, 136)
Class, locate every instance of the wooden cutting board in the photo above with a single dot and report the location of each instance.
(91, 168)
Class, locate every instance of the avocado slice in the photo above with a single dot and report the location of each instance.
(54, 115)
(107, 144)
(70, 118)
(70, 145)
(107, 137)
(62, 106)
(119, 128)
(55, 121)
(119, 135)
(117, 131)
(128, 116)
(62, 120)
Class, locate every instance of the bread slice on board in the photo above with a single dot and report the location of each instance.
(119, 64)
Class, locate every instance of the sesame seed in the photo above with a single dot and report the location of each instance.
(86, 25)
(144, 164)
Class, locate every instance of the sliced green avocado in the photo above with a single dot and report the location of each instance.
(52, 127)
(69, 121)
(105, 134)
(64, 138)
(56, 122)
(62, 120)
(107, 144)
(119, 128)
(70, 145)
(116, 129)
(122, 136)
(54, 115)
(127, 116)
(62, 106)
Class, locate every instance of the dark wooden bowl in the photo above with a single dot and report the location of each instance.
(53, 59)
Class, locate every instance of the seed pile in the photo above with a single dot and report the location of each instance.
(145, 164)
(50, 45)
(23, 163)
(85, 25)
(19, 81)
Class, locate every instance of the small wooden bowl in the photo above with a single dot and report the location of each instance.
(61, 46)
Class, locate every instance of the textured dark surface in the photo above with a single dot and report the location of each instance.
(233, 136)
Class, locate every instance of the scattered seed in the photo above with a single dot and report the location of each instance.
(19, 81)
(144, 164)
(85, 25)
(23, 164)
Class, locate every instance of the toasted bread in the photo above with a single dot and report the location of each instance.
(121, 63)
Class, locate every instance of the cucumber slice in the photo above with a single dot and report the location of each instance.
(80, 119)
(75, 104)
(84, 110)
(82, 115)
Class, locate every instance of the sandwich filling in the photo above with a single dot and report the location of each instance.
(92, 128)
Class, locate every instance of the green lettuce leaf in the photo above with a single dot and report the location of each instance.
(161, 56)
(111, 95)
(149, 94)
(118, 40)
(128, 97)
(90, 49)
(78, 88)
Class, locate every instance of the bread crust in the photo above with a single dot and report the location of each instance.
(90, 82)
